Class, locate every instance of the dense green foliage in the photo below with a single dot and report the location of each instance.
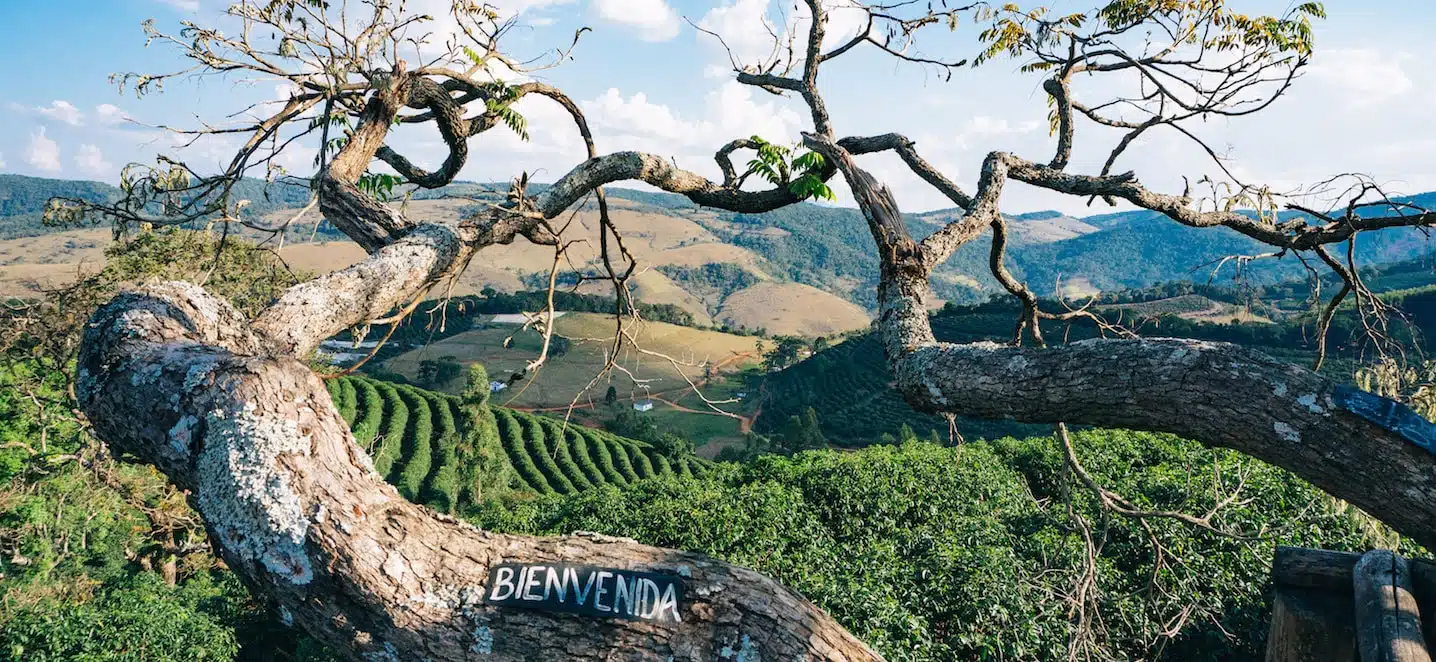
(135, 619)
(440, 449)
(848, 383)
(715, 279)
(934, 553)
(23, 201)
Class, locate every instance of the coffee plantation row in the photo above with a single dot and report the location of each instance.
(429, 445)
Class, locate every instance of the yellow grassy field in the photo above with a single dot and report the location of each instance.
(27, 266)
(691, 351)
(792, 308)
(33, 264)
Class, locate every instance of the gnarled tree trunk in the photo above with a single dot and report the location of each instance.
(224, 407)
(176, 377)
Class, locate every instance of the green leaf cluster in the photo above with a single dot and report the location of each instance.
(774, 163)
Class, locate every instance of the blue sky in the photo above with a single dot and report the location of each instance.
(647, 80)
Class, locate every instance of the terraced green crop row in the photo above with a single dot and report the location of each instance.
(415, 438)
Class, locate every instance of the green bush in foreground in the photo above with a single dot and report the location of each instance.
(136, 620)
(933, 553)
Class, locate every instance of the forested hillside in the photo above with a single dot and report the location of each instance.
(23, 200)
(849, 383)
(828, 247)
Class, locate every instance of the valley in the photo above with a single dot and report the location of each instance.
(742, 280)
(805, 270)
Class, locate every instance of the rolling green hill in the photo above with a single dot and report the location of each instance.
(828, 247)
(23, 200)
(848, 385)
(447, 454)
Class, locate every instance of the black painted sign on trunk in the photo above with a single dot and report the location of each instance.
(588, 591)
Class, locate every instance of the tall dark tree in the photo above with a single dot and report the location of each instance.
(222, 403)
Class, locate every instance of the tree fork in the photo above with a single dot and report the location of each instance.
(1219, 394)
(172, 375)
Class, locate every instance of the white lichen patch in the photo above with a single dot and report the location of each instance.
(388, 654)
(197, 374)
(180, 435)
(1286, 431)
(483, 640)
(451, 597)
(245, 496)
(1016, 363)
(709, 590)
(747, 651)
(147, 375)
(1279, 390)
(394, 565)
(286, 616)
(1309, 401)
(936, 393)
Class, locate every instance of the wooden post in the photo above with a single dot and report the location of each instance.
(1311, 618)
(1388, 622)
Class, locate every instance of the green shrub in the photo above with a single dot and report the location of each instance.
(621, 458)
(556, 434)
(441, 490)
(485, 470)
(418, 449)
(542, 457)
(476, 386)
(347, 399)
(581, 453)
(639, 457)
(933, 554)
(371, 404)
(512, 434)
(137, 619)
(661, 466)
(604, 455)
(396, 421)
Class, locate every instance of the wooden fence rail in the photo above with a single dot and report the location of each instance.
(1344, 607)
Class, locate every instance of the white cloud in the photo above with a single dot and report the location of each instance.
(63, 111)
(986, 126)
(636, 117)
(747, 26)
(741, 25)
(110, 114)
(91, 161)
(1361, 76)
(182, 5)
(653, 19)
(733, 112)
(43, 153)
(443, 28)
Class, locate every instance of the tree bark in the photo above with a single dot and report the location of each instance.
(1368, 450)
(173, 376)
(177, 378)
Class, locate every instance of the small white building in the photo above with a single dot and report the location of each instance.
(643, 406)
(495, 387)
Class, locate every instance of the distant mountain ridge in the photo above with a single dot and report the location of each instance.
(828, 247)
